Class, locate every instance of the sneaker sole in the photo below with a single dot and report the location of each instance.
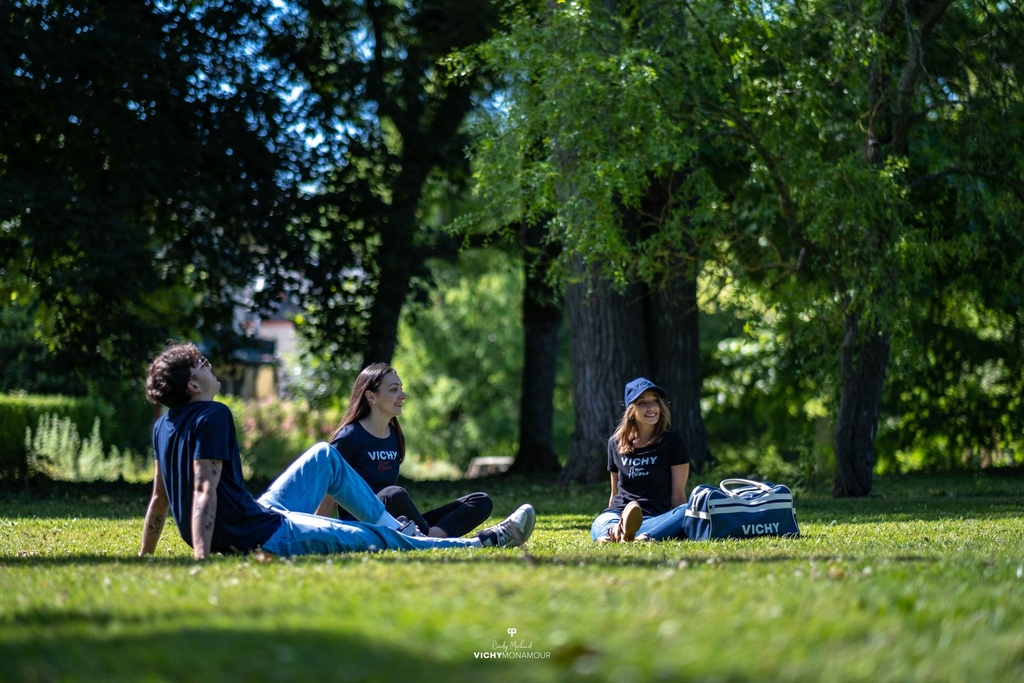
(530, 522)
(632, 518)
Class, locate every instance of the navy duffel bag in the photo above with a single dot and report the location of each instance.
(752, 508)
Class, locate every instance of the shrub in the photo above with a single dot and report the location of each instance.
(272, 433)
(56, 450)
(21, 412)
(45, 435)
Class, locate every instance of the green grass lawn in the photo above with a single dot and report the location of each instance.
(924, 581)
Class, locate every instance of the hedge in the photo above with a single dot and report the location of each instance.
(271, 433)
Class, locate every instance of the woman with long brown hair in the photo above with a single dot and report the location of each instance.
(649, 467)
(198, 481)
(371, 440)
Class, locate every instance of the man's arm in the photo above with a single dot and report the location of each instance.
(156, 513)
(204, 504)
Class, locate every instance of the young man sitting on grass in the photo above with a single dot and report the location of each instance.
(198, 478)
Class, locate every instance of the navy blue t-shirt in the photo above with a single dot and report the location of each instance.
(645, 475)
(373, 458)
(205, 431)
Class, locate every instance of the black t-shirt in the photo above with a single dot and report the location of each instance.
(206, 430)
(645, 475)
(374, 459)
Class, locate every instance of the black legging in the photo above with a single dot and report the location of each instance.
(457, 518)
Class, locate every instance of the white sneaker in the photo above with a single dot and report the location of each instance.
(512, 531)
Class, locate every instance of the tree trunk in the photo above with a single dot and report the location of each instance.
(427, 126)
(542, 323)
(862, 365)
(673, 327)
(398, 260)
(864, 358)
(674, 343)
(397, 263)
(609, 348)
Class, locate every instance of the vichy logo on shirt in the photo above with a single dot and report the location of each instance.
(637, 467)
(382, 455)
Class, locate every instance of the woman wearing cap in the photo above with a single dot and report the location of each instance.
(649, 467)
(371, 440)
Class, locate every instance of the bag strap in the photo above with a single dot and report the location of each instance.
(746, 484)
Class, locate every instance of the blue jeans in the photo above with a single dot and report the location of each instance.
(297, 493)
(658, 528)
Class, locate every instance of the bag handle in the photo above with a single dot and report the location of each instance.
(746, 484)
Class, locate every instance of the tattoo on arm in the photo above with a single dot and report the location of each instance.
(156, 525)
(204, 504)
(204, 513)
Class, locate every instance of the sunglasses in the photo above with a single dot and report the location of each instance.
(203, 363)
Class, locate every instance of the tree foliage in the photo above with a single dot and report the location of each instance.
(841, 162)
(144, 170)
(851, 175)
(460, 356)
(388, 124)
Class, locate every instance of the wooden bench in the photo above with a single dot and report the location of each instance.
(487, 465)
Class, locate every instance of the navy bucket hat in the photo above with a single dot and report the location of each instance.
(639, 386)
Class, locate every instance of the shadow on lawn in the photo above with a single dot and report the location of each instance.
(97, 500)
(727, 552)
(522, 557)
(908, 509)
(166, 651)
